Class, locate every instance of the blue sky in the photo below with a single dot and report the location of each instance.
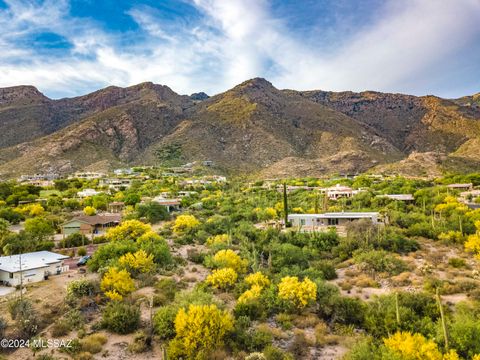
(71, 47)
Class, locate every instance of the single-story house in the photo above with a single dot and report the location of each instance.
(399, 197)
(30, 267)
(116, 206)
(339, 191)
(186, 193)
(88, 192)
(468, 186)
(90, 224)
(116, 184)
(331, 219)
(170, 204)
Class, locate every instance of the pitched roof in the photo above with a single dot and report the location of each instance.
(99, 219)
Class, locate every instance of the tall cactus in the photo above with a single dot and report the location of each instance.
(442, 317)
(285, 203)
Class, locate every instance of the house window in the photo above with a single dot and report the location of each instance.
(332, 221)
(302, 221)
(10, 275)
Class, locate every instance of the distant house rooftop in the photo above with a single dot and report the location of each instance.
(460, 186)
(338, 215)
(99, 219)
(33, 260)
(400, 197)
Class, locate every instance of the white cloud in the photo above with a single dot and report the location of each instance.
(236, 40)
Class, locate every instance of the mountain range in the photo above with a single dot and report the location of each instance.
(253, 128)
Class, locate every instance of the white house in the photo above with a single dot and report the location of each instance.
(312, 221)
(399, 197)
(88, 175)
(32, 267)
(88, 192)
(338, 191)
(169, 204)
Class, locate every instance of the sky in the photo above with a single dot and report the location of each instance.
(71, 47)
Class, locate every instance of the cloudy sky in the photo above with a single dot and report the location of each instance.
(68, 48)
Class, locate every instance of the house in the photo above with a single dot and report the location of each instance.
(399, 197)
(116, 184)
(84, 224)
(183, 194)
(87, 193)
(30, 267)
(339, 191)
(207, 163)
(116, 206)
(38, 177)
(124, 171)
(170, 204)
(468, 186)
(88, 175)
(314, 221)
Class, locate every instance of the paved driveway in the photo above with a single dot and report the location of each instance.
(5, 290)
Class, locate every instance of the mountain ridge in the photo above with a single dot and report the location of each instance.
(252, 128)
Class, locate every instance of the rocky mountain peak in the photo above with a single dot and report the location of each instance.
(23, 94)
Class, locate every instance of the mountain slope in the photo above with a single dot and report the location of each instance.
(132, 119)
(252, 128)
(255, 126)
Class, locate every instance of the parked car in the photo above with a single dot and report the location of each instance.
(83, 260)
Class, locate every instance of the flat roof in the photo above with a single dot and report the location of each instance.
(346, 215)
(398, 196)
(33, 260)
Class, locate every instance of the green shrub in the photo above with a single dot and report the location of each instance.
(60, 328)
(141, 342)
(464, 331)
(167, 288)
(347, 310)
(80, 288)
(457, 263)
(273, 353)
(327, 268)
(74, 319)
(418, 314)
(121, 318)
(82, 251)
(93, 343)
(163, 322)
(252, 309)
(74, 240)
(379, 261)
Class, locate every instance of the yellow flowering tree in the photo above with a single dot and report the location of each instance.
(450, 203)
(297, 293)
(32, 210)
(138, 262)
(185, 223)
(117, 283)
(257, 279)
(268, 213)
(230, 259)
(222, 278)
(257, 282)
(89, 210)
(473, 241)
(199, 331)
(128, 230)
(149, 236)
(251, 294)
(222, 239)
(408, 346)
